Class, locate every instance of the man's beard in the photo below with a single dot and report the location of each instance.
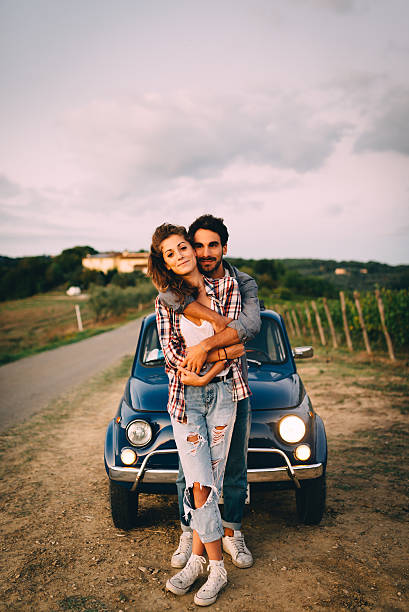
(211, 264)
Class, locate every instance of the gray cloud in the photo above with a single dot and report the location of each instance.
(339, 6)
(8, 189)
(390, 131)
(164, 138)
(334, 210)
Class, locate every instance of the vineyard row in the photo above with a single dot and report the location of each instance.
(378, 320)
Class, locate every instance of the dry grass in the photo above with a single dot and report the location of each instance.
(46, 321)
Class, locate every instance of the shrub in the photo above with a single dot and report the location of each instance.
(112, 300)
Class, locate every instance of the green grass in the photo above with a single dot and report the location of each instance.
(68, 339)
(43, 322)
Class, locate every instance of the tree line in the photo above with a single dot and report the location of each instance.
(285, 279)
(26, 276)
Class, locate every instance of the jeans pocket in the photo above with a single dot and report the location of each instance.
(229, 385)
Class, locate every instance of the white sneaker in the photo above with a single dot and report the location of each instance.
(183, 551)
(235, 546)
(181, 582)
(208, 593)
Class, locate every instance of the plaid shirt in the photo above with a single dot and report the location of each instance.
(225, 298)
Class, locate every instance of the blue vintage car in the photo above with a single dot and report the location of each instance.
(287, 447)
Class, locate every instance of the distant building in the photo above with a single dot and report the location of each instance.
(72, 291)
(340, 271)
(123, 262)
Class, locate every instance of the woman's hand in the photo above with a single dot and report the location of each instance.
(190, 378)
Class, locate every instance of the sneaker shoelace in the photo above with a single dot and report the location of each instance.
(216, 573)
(191, 568)
(238, 544)
(184, 545)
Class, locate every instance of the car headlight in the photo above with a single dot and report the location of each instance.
(139, 433)
(291, 429)
(128, 456)
(302, 452)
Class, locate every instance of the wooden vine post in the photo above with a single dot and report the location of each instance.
(330, 323)
(303, 328)
(79, 319)
(309, 322)
(344, 318)
(319, 324)
(297, 327)
(384, 329)
(362, 322)
(289, 322)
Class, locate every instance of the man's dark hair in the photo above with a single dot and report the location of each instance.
(208, 222)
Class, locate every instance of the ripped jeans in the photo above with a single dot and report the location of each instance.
(203, 444)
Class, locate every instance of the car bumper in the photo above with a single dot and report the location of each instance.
(285, 473)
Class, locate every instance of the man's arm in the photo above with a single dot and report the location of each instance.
(193, 308)
(227, 352)
(242, 329)
(248, 323)
(169, 299)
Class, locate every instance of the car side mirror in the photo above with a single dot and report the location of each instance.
(303, 352)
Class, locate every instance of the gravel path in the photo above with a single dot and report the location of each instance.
(60, 550)
(28, 385)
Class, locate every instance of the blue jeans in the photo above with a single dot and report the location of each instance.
(235, 477)
(203, 444)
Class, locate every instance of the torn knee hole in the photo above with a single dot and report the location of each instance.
(196, 440)
(218, 434)
(200, 494)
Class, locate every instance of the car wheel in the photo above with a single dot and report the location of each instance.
(310, 500)
(124, 506)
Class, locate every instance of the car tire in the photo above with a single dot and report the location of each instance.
(124, 506)
(310, 500)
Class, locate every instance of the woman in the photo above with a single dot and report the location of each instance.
(202, 407)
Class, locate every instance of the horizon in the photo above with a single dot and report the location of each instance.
(228, 256)
(289, 120)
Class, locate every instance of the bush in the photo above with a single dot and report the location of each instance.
(112, 300)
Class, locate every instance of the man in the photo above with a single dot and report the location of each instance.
(209, 237)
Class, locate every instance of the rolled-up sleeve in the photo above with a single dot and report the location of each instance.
(170, 299)
(248, 323)
(172, 346)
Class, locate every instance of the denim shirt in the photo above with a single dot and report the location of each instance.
(248, 323)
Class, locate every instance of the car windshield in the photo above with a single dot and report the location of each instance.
(268, 346)
(151, 353)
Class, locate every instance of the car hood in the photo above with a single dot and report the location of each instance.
(270, 391)
(150, 395)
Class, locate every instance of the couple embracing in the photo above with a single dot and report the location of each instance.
(205, 311)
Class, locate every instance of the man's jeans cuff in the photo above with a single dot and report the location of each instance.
(186, 527)
(234, 526)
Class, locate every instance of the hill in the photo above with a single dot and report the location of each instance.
(286, 278)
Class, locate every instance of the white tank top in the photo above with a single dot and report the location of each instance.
(194, 334)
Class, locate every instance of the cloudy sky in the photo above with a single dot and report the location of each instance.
(288, 118)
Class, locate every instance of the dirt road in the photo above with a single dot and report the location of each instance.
(60, 550)
(28, 385)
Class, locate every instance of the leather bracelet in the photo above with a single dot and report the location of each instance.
(225, 353)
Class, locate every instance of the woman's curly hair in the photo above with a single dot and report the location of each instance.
(162, 278)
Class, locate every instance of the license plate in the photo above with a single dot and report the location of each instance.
(247, 501)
